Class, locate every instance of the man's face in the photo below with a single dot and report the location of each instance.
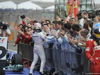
(83, 15)
(58, 26)
(62, 32)
(45, 27)
(32, 26)
(20, 27)
(47, 21)
(53, 25)
(29, 25)
(29, 29)
(26, 28)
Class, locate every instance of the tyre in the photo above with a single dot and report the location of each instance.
(17, 59)
(3, 52)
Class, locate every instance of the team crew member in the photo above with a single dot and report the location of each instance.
(38, 38)
(93, 50)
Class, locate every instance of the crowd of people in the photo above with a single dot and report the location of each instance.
(58, 32)
(74, 31)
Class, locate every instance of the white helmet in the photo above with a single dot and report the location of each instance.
(37, 26)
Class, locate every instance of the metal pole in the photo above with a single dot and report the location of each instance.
(86, 5)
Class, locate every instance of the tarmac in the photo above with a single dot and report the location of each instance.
(11, 47)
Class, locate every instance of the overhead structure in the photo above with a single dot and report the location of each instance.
(51, 8)
(19, 1)
(19, 4)
(29, 5)
(7, 5)
(4, 0)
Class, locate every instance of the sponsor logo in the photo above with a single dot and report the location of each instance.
(2, 40)
(97, 48)
(87, 49)
(95, 43)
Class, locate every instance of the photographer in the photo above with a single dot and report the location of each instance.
(4, 30)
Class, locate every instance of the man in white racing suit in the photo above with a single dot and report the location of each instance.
(38, 38)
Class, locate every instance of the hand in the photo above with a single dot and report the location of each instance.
(26, 36)
(59, 34)
(14, 44)
(89, 28)
(92, 60)
(21, 32)
(54, 34)
(69, 36)
(46, 36)
(71, 41)
(47, 30)
(1, 27)
(76, 41)
(62, 33)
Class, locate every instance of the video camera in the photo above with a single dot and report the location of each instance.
(22, 16)
(3, 26)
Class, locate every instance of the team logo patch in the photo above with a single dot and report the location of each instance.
(87, 49)
(95, 43)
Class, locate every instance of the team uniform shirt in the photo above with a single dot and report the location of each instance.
(92, 51)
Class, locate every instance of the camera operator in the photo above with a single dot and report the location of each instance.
(4, 30)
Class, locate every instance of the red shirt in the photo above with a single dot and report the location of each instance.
(92, 49)
(28, 38)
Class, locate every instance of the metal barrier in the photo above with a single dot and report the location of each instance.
(66, 60)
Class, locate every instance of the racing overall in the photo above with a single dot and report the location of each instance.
(38, 50)
(93, 54)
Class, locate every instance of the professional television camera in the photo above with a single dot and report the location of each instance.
(22, 16)
(3, 26)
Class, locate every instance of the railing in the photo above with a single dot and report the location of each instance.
(66, 61)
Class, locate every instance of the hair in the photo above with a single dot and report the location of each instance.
(84, 31)
(60, 23)
(63, 28)
(20, 25)
(96, 19)
(37, 30)
(45, 24)
(90, 23)
(55, 22)
(29, 27)
(35, 21)
(76, 27)
(86, 25)
(48, 20)
(67, 25)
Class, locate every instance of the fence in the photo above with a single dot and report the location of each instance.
(66, 61)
